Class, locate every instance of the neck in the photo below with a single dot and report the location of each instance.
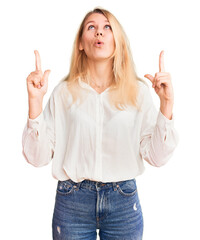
(101, 72)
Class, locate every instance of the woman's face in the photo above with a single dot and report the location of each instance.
(97, 39)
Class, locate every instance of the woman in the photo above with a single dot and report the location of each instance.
(97, 127)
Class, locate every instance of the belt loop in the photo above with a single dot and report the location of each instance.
(114, 186)
(78, 185)
(96, 184)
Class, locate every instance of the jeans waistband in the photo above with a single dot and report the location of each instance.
(95, 185)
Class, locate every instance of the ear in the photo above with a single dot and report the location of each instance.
(80, 46)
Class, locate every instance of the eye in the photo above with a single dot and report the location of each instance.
(107, 26)
(90, 27)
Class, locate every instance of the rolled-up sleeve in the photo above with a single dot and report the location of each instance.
(38, 138)
(158, 138)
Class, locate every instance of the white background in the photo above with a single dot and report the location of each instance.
(169, 195)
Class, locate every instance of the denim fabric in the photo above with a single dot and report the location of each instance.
(112, 207)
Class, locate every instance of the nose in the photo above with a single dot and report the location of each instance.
(99, 34)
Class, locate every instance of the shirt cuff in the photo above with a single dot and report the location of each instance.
(163, 121)
(34, 123)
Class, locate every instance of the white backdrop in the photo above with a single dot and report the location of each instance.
(169, 195)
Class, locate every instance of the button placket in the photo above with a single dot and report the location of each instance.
(98, 168)
(101, 113)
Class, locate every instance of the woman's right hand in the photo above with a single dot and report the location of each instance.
(37, 82)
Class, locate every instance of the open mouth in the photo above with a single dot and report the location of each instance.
(98, 43)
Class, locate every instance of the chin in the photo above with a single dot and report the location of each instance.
(100, 57)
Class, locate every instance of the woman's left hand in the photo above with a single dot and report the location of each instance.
(161, 82)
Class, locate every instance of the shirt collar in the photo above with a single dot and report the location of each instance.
(87, 86)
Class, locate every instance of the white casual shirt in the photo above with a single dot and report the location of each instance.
(96, 141)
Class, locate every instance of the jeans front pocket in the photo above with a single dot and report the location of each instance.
(65, 187)
(127, 188)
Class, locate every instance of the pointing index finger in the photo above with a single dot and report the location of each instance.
(37, 61)
(161, 62)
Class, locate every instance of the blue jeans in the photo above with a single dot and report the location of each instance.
(112, 207)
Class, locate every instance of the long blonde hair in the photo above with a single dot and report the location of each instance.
(124, 89)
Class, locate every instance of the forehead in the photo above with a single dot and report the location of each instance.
(96, 17)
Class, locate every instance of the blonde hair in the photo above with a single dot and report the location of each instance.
(124, 89)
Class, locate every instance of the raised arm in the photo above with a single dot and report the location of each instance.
(38, 139)
(158, 137)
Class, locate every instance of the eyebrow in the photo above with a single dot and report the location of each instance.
(93, 22)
